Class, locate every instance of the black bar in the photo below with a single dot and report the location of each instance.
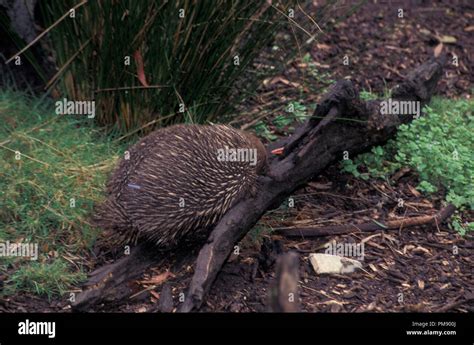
(263, 328)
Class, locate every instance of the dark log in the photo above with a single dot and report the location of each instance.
(284, 295)
(332, 230)
(109, 282)
(342, 122)
(166, 299)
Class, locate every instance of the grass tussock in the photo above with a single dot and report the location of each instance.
(52, 171)
(153, 63)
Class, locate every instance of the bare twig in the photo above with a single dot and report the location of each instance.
(368, 227)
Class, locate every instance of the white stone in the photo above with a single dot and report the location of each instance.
(333, 264)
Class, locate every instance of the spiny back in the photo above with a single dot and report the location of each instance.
(175, 185)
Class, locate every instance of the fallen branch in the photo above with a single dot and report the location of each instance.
(284, 296)
(109, 283)
(315, 145)
(368, 227)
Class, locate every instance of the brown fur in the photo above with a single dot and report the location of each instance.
(172, 165)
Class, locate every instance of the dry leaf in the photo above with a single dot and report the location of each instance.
(140, 68)
(160, 278)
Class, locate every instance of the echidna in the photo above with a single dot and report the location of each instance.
(178, 182)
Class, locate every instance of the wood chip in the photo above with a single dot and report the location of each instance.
(413, 191)
(155, 294)
(437, 51)
(375, 245)
(447, 39)
(445, 286)
(323, 46)
(279, 79)
(421, 249)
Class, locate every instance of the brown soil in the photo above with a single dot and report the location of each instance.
(381, 46)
